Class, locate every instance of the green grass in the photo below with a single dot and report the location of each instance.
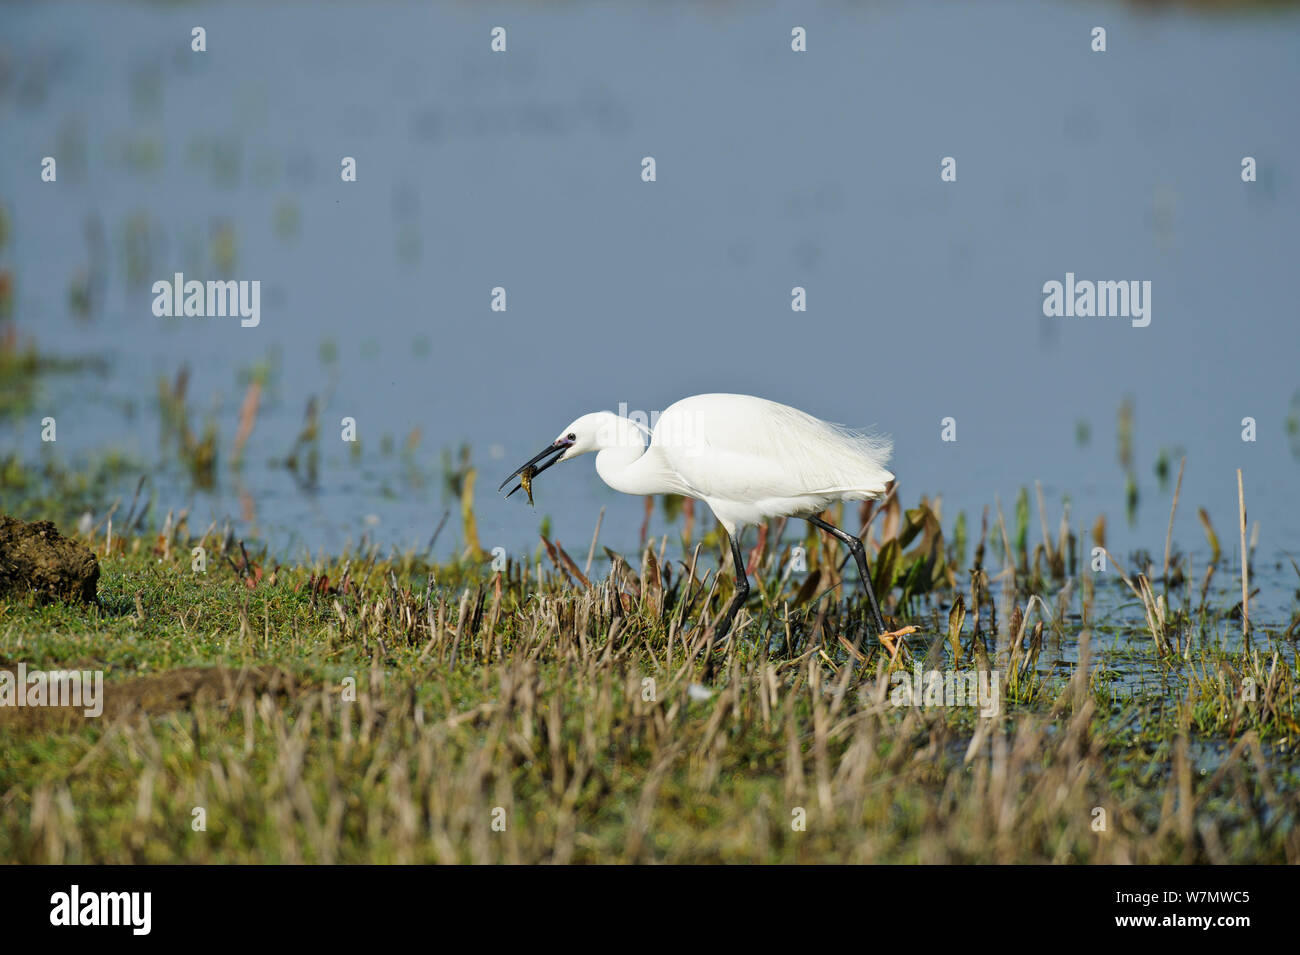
(506, 718)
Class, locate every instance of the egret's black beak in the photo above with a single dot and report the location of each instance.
(554, 451)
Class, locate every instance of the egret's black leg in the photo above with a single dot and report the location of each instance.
(860, 555)
(742, 590)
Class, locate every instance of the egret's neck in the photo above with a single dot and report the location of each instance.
(622, 468)
(616, 467)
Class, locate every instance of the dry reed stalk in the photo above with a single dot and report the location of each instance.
(1245, 560)
(1169, 535)
(1042, 519)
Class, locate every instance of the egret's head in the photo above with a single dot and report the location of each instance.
(592, 432)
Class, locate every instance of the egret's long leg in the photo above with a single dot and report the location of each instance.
(860, 555)
(742, 590)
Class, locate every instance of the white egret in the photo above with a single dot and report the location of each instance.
(749, 459)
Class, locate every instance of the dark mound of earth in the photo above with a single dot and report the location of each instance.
(36, 558)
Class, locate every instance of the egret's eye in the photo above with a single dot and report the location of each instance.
(571, 436)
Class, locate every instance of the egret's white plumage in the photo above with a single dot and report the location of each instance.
(749, 459)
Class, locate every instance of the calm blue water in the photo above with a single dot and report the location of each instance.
(775, 169)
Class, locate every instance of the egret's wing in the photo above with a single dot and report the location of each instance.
(738, 447)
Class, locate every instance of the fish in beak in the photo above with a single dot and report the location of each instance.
(535, 466)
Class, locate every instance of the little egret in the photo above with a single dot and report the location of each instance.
(749, 459)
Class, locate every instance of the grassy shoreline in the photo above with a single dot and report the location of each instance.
(370, 709)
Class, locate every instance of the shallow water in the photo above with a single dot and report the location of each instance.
(775, 169)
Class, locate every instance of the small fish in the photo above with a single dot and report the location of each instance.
(526, 482)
